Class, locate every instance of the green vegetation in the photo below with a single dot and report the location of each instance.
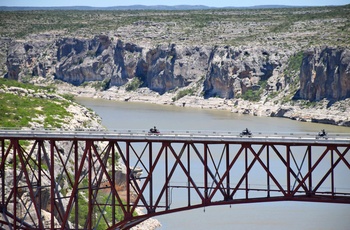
(69, 97)
(99, 85)
(251, 95)
(103, 211)
(272, 95)
(134, 84)
(19, 110)
(294, 63)
(183, 93)
(12, 83)
(221, 26)
(117, 157)
(291, 75)
(254, 95)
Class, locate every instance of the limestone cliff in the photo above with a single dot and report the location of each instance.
(35, 56)
(325, 73)
(99, 59)
(224, 72)
(232, 71)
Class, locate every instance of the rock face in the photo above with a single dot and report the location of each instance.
(224, 72)
(325, 73)
(99, 59)
(81, 60)
(233, 71)
(221, 71)
(34, 57)
(15, 61)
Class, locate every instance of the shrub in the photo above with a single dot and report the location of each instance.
(134, 84)
(251, 95)
(183, 93)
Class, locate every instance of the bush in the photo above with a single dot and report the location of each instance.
(134, 84)
(69, 97)
(183, 93)
(252, 95)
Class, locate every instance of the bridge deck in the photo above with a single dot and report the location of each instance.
(179, 136)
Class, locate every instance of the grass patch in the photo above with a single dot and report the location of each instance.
(35, 88)
(68, 96)
(19, 111)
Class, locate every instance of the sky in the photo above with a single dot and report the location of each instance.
(221, 3)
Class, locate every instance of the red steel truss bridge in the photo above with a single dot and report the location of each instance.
(92, 179)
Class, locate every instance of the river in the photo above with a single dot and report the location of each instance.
(262, 216)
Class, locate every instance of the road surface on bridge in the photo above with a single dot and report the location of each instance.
(179, 135)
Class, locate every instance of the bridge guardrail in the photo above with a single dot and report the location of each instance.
(214, 134)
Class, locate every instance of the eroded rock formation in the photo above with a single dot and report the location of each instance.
(325, 73)
(224, 72)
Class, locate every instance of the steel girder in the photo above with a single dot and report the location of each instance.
(79, 186)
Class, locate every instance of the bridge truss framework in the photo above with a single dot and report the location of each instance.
(62, 181)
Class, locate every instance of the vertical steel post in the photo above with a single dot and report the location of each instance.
(15, 147)
(150, 159)
(128, 175)
(113, 181)
(227, 170)
(189, 173)
(332, 172)
(2, 164)
(76, 178)
(205, 173)
(246, 170)
(268, 168)
(288, 169)
(53, 183)
(167, 194)
(91, 215)
(40, 144)
(309, 169)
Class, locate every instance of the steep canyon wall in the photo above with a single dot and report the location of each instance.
(325, 73)
(224, 72)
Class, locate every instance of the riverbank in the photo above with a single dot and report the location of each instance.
(322, 112)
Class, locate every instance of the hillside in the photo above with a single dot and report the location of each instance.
(29, 106)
